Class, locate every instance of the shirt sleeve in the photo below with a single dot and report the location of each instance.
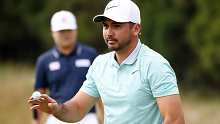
(89, 86)
(162, 78)
(40, 74)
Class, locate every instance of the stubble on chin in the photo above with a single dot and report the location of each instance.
(113, 47)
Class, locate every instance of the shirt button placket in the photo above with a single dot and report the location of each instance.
(118, 80)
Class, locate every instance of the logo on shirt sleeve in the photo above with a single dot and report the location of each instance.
(166, 86)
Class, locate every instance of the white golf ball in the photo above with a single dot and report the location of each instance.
(36, 95)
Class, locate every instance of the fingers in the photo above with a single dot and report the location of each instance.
(31, 100)
(44, 98)
(47, 98)
(35, 107)
(42, 103)
(41, 98)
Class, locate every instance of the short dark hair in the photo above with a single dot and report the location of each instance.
(131, 24)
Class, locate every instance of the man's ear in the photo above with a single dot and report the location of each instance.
(137, 28)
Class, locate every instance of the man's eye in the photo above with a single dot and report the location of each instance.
(117, 26)
(105, 25)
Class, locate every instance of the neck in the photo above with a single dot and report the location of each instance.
(66, 50)
(124, 53)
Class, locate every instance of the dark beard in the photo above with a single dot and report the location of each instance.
(120, 46)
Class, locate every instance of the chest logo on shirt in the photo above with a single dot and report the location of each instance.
(53, 66)
(82, 63)
(135, 71)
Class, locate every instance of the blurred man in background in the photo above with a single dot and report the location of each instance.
(63, 68)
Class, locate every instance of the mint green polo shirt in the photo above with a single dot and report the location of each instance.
(128, 91)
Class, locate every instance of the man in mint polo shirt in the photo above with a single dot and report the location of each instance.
(137, 85)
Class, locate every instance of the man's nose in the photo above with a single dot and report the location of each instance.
(109, 32)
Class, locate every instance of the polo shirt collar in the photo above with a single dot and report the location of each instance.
(130, 59)
(57, 53)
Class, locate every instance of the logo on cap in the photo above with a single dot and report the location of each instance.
(64, 19)
(111, 7)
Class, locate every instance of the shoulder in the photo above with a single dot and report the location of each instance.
(103, 59)
(100, 63)
(148, 55)
(152, 62)
(87, 49)
(45, 56)
(155, 69)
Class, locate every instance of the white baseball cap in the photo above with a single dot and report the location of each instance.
(120, 11)
(63, 20)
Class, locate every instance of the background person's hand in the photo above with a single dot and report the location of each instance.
(45, 104)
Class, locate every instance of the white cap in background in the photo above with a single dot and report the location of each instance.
(120, 11)
(63, 20)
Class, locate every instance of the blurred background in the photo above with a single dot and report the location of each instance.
(185, 32)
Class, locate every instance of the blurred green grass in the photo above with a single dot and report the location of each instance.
(16, 87)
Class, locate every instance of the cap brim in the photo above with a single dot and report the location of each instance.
(98, 18)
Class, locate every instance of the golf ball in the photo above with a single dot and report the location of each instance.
(36, 95)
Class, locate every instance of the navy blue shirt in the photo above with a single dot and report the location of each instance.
(64, 75)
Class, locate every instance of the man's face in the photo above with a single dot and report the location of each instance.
(117, 35)
(65, 38)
